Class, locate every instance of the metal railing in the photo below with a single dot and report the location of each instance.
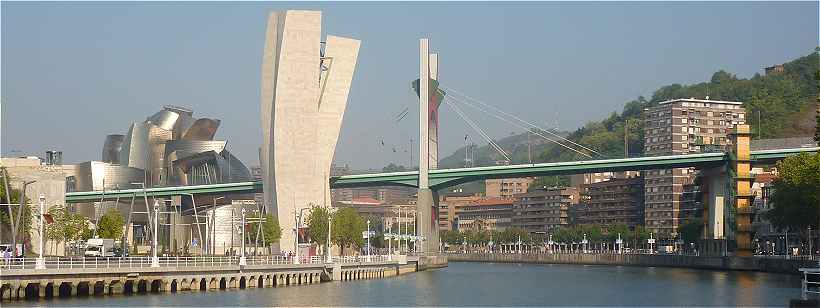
(173, 262)
(811, 281)
(361, 259)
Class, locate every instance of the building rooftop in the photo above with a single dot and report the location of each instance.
(694, 100)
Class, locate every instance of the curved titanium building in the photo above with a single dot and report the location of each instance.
(304, 95)
(169, 148)
(111, 148)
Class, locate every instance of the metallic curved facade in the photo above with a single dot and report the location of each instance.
(134, 152)
(169, 148)
(202, 129)
(92, 174)
(164, 119)
(111, 148)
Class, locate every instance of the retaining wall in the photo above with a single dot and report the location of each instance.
(715, 263)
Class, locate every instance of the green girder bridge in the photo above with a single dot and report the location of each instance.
(449, 177)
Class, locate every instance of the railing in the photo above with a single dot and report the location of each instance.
(811, 281)
(173, 262)
(361, 259)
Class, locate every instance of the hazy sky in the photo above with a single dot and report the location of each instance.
(75, 72)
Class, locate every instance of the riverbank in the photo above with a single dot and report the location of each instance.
(84, 277)
(771, 265)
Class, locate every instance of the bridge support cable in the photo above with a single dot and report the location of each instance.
(475, 127)
(536, 132)
(458, 93)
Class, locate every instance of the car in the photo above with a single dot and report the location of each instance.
(119, 252)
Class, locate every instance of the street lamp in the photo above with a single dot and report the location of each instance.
(196, 221)
(810, 248)
(329, 222)
(368, 240)
(242, 260)
(585, 243)
(390, 241)
(298, 219)
(212, 235)
(154, 258)
(41, 263)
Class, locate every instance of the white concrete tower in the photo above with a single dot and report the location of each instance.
(304, 95)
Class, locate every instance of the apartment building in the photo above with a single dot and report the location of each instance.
(544, 209)
(682, 126)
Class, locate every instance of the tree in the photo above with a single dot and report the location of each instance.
(796, 195)
(271, 231)
(347, 228)
(690, 231)
(394, 168)
(67, 226)
(5, 222)
(317, 221)
(549, 181)
(817, 117)
(111, 224)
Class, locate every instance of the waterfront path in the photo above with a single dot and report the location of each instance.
(65, 277)
(757, 263)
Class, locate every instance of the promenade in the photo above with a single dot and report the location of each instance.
(756, 263)
(64, 277)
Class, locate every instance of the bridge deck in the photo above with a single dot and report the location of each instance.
(448, 177)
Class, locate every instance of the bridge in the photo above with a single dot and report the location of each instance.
(443, 178)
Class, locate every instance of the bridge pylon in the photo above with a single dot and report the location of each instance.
(426, 220)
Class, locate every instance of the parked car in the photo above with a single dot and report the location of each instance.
(119, 252)
(99, 247)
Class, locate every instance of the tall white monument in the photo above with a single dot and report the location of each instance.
(305, 84)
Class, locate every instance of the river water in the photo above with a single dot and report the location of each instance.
(496, 284)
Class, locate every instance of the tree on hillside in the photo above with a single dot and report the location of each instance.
(796, 195)
(317, 222)
(347, 227)
(549, 181)
(394, 168)
(111, 225)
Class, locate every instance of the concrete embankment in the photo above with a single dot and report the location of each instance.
(17, 284)
(772, 265)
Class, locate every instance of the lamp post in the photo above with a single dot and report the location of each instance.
(810, 248)
(154, 258)
(551, 243)
(298, 219)
(242, 260)
(368, 240)
(212, 235)
(390, 242)
(519, 245)
(329, 222)
(585, 243)
(41, 263)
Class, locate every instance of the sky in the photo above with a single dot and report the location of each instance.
(72, 73)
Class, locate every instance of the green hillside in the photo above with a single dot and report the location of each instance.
(785, 102)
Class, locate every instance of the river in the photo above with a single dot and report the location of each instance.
(496, 284)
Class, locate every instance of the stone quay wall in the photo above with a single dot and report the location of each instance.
(761, 264)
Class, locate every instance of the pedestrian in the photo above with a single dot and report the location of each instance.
(6, 257)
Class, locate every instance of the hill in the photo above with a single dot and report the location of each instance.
(783, 102)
